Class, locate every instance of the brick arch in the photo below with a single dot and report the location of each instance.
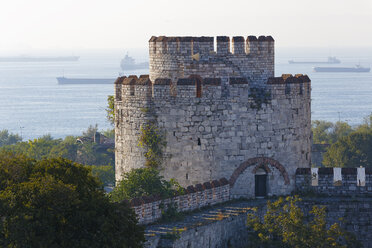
(260, 161)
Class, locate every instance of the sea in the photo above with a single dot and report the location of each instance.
(33, 104)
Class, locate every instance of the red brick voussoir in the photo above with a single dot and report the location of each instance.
(261, 161)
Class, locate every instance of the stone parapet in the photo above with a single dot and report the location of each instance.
(196, 86)
(326, 181)
(149, 208)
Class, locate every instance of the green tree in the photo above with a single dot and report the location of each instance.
(321, 130)
(47, 147)
(7, 138)
(110, 110)
(109, 133)
(91, 131)
(353, 150)
(285, 225)
(325, 132)
(105, 173)
(65, 149)
(366, 126)
(340, 129)
(144, 182)
(93, 154)
(57, 203)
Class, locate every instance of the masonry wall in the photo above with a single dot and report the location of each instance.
(230, 232)
(326, 184)
(149, 209)
(251, 57)
(353, 214)
(210, 136)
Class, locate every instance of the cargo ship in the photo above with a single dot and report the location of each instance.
(128, 63)
(64, 80)
(331, 60)
(357, 68)
(39, 59)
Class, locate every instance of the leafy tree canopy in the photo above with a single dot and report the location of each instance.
(7, 138)
(105, 173)
(57, 203)
(353, 150)
(286, 225)
(144, 182)
(325, 132)
(91, 131)
(47, 147)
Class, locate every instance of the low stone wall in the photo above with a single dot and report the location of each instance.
(324, 182)
(205, 229)
(149, 209)
(354, 214)
(230, 232)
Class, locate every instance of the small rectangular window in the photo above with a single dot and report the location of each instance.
(287, 89)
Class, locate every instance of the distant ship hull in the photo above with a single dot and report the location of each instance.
(39, 59)
(311, 62)
(341, 69)
(63, 80)
(331, 60)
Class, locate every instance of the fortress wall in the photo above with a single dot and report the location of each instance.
(208, 137)
(354, 215)
(131, 112)
(171, 57)
(347, 186)
(149, 208)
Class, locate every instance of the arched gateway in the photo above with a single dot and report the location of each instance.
(268, 177)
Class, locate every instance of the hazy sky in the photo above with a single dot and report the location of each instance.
(111, 24)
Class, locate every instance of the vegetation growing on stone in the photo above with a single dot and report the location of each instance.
(286, 225)
(110, 110)
(153, 141)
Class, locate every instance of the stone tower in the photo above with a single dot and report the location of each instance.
(223, 114)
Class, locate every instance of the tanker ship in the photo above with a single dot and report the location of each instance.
(357, 68)
(128, 63)
(331, 60)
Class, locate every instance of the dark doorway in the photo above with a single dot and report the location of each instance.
(260, 185)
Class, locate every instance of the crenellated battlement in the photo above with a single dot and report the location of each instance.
(286, 86)
(205, 45)
(335, 181)
(180, 57)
